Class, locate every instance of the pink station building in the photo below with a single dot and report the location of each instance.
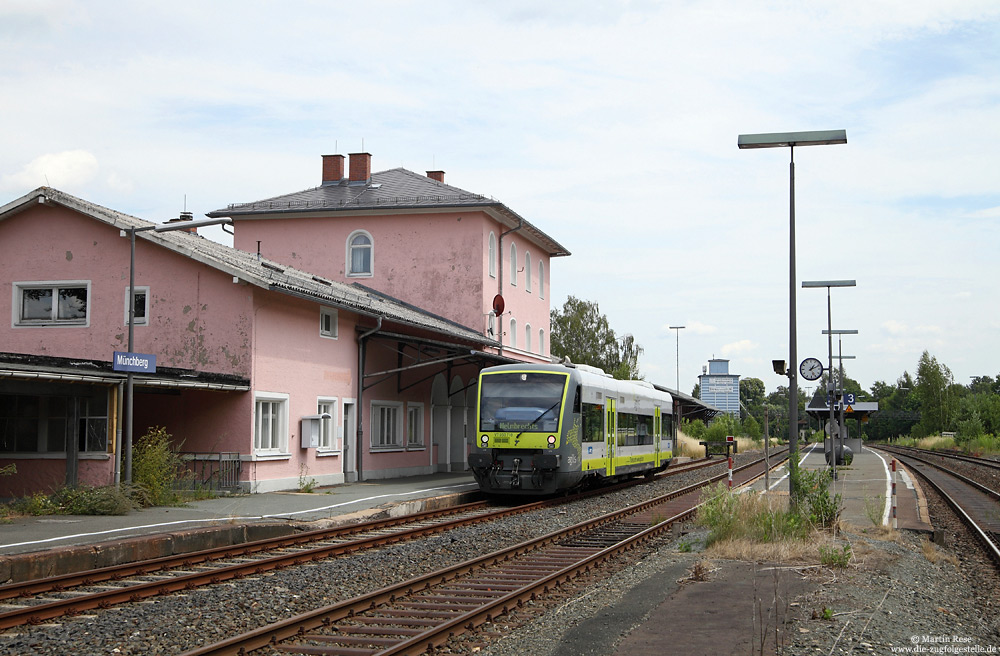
(339, 340)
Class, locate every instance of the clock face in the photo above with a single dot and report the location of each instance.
(811, 369)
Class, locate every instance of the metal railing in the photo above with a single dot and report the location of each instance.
(213, 471)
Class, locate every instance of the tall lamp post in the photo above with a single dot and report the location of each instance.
(838, 393)
(677, 330)
(160, 227)
(791, 140)
(814, 284)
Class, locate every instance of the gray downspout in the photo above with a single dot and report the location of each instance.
(359, 415)
(520, 224)
(119, 418)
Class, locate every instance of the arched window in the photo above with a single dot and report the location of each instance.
(541, 341)
(513, 265)
(493, 255)
(541, 279)
(359, 254)
(527, 337)
(527, 271)
(513, 332)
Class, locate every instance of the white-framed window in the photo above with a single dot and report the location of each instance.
(513, 265)
(493, 255)
(414, 424)
(541, 341)
(327, 427)
(527, 337)
(360, 254)
(328, 323)
(270, 423)
(513, 332)
(56, 303)
(527, 272)
(141, 306)
(387, 425)
(541, 279)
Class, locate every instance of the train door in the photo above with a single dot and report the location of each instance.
(611, 426)
(657, 428)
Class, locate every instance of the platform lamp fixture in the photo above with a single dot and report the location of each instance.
(160, 227)
(677, 330)
(791, 140)
(829, 284)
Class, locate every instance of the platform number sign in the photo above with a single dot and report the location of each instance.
(849, 398)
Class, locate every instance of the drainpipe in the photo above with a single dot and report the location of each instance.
(119, 412)
(359, 418)
(520, 224)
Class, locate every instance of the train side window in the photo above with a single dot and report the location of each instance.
(593, 422)
(576, 400)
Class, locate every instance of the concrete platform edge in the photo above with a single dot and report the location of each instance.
(17, 568)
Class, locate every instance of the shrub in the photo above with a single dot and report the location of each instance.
(38, 503)
(695, 429)
(814, 485)
(831, 556)
(156, 467)
(86, 500)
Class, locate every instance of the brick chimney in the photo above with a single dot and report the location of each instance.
(436, 175)
(361, 167)
(333, 168)
(185, 216)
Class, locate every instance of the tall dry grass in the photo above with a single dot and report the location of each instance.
(689, 446)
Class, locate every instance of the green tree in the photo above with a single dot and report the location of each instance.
(752, 397)
(580, 332)
(898, 409)
(696, 391)
(931, 390)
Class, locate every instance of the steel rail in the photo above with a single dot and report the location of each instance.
(984, 462)
(987, 538)
(121, 571)
(38, 613)
(299, 625)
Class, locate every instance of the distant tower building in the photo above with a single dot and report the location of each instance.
(720, 388)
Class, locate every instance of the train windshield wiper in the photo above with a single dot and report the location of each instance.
(535, 420)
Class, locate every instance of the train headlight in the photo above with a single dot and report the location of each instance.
(552, 440)
(485, 439)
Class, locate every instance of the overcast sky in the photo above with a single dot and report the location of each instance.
(610, 125)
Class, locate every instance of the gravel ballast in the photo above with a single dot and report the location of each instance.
(889, 593)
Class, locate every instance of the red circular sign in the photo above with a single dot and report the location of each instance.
(498, 304)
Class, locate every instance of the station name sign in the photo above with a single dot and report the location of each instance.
(143, 363)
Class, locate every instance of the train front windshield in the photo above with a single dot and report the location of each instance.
(521, 401)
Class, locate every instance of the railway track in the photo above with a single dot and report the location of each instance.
(422, 613)
(41, 600)
(977, 505)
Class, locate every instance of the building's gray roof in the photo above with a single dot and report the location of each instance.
(257, 271)
(395, 190)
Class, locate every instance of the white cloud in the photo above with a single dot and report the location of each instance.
(65, 170)
(739, 348)
(699, 328)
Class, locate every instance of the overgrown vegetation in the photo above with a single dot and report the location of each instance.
(832, 556)
(157, 472)
(750, 516)
(741, 524)
(822, 510)
(306, 485)
(157, 467)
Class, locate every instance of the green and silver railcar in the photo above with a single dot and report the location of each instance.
(546, 428)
